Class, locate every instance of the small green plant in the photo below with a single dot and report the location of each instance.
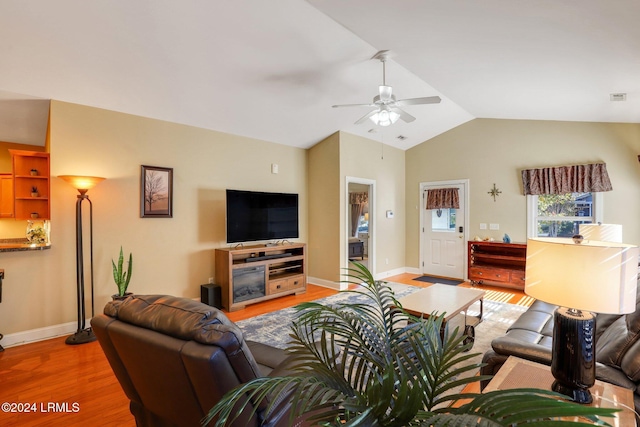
(120, 276)
(34, 189)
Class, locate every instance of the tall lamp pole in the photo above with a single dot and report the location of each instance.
(83, 184)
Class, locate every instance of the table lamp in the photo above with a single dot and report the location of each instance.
(601, 232)
(582, 277)
(82, 184)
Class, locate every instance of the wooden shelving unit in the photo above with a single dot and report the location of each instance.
(497, 263)
(251, 274)
(26, 205)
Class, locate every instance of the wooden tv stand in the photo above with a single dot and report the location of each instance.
(252, 274)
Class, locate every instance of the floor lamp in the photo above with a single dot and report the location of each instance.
(82, 184)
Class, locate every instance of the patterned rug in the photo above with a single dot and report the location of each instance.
(273, 328)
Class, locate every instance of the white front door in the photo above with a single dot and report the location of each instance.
(443, 235)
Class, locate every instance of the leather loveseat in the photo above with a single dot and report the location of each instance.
(175, 358)
(617, 345)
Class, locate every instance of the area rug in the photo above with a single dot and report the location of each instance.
(274, 328)
(433, 279)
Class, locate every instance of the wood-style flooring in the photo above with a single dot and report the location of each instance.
(74, 385)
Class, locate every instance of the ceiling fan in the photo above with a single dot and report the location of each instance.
(387, 109)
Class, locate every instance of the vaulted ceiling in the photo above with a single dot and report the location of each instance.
(272, 69)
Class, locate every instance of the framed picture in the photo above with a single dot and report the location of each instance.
(156, 192)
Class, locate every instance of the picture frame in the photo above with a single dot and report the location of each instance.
(156, 192)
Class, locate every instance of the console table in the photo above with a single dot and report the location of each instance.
(252, 274)
(497, 264)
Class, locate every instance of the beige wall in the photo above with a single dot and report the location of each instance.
(368, 159)
(488, 151)
(172, 256)
(331, 161)
(324, 210)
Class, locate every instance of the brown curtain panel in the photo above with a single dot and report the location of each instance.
(566, 179)
(443, 198)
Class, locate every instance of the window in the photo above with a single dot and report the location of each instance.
(559, 215)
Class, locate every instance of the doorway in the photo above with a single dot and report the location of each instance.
(360, 220)
(443, 250)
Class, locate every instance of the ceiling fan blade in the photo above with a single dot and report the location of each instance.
(353, 105)
(366, 117)
(416, 101)
(406, 117)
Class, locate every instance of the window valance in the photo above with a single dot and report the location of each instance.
(566, 179)
(358, 198)
(443, 198)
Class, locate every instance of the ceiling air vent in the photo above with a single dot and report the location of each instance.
(618, 97)
(401, 137)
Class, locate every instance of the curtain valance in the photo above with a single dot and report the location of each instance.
(566, 179)
(443, 198)
(358, 198)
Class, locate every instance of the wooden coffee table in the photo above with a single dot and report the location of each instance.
(447, 301)
(521, 373)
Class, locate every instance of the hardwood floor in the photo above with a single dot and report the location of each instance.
(80, 381)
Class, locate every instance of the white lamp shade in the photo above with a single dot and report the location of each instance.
(602, 232)
(593, 276)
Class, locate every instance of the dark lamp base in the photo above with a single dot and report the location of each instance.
(81, 337)
(573, 353)
(578, 395)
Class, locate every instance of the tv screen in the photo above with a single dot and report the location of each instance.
(253, 216)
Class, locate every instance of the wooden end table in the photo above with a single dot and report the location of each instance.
(448, 300)
(521, 373)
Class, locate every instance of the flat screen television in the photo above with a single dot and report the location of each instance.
(254, 216)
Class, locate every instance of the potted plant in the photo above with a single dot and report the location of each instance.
(34, 191)
(393, 370)
(33, 172)
(122, 277)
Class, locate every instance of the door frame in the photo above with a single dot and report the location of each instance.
(372, 221)
(465, 184)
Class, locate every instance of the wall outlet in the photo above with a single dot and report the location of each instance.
(274, 168)
(389, 214)
(494, 226)
(386, 261)
(211, 280)
(483, 226)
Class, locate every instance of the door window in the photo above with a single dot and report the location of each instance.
(443, 219)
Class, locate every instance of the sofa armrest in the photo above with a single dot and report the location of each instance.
(508, 346)
(613, 375)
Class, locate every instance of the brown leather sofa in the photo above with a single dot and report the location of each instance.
(175, 358)
(617, 345)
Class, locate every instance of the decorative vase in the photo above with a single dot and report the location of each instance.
(34, 215)
(117, 297)
(34, 194)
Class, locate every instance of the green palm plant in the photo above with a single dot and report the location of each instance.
(391, 369)
(121, 277)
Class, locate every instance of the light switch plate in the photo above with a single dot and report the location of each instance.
(494, 226)
(483, 226)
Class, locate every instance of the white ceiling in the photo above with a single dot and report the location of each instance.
(272, 69)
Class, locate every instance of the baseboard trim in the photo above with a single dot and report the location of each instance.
(326, 283)
(40, 334)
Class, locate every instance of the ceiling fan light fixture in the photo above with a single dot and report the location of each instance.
(385, 117)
